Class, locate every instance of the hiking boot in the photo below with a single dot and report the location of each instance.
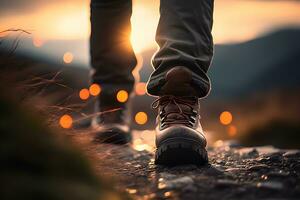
(179, 136)
(112, 123)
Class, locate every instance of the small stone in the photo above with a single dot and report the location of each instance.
(175, 183)
(232, 170)
(273, 185)
(258, 167)
(248, 152)
(275, 157)
(292, 153)
(266, 150)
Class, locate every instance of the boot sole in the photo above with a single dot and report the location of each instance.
(180, 151)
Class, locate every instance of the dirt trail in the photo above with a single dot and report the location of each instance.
(233, 172)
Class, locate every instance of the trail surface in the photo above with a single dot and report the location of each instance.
(233, 172)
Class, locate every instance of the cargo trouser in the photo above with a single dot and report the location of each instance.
(183, 35)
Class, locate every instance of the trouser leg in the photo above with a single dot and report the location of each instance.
(184, 37)
(112, 56)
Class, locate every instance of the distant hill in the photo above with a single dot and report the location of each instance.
(265, 63)
(268, 62)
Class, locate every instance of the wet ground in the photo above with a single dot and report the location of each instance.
(233, 172)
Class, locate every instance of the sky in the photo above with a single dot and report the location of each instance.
(234, 20)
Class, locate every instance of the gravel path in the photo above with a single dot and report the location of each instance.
(233, 172)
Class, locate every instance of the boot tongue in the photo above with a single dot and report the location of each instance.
(176, 110)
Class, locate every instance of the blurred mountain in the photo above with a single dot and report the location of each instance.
(265, 63)
(269, 62)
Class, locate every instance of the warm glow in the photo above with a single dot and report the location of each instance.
(95, 89)
(37, 42)
(68, 57)
(66, 121)
(225, 118)
(84, 94)
(140, 145)
(140, 88)
(219, 143)
(122, 96)
(144, 21)
(232, 130)
(141, 118)
(167, 194)
(131, 191)
(70, 19)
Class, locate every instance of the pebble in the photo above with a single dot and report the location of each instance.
(175, 183)
(266, 150)
(258, 167)
(248, 152)
(292, 153)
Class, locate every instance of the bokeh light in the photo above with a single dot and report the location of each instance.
(84, 94)
(95, 89)
(140, 88)
(225, 118)
(37, 42)
(122, 96)
(66, 121)
(141, 118)
(68, 57)
(232, 130)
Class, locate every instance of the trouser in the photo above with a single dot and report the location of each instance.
(183, 35)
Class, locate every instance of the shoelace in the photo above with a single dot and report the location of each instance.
(188, 118)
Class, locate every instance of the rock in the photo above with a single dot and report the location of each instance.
(266, 150)
(175, 183)
(248, 152)
(258, 167)
(233, 170)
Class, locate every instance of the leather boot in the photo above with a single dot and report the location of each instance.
(112, 123)
(179, 136)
